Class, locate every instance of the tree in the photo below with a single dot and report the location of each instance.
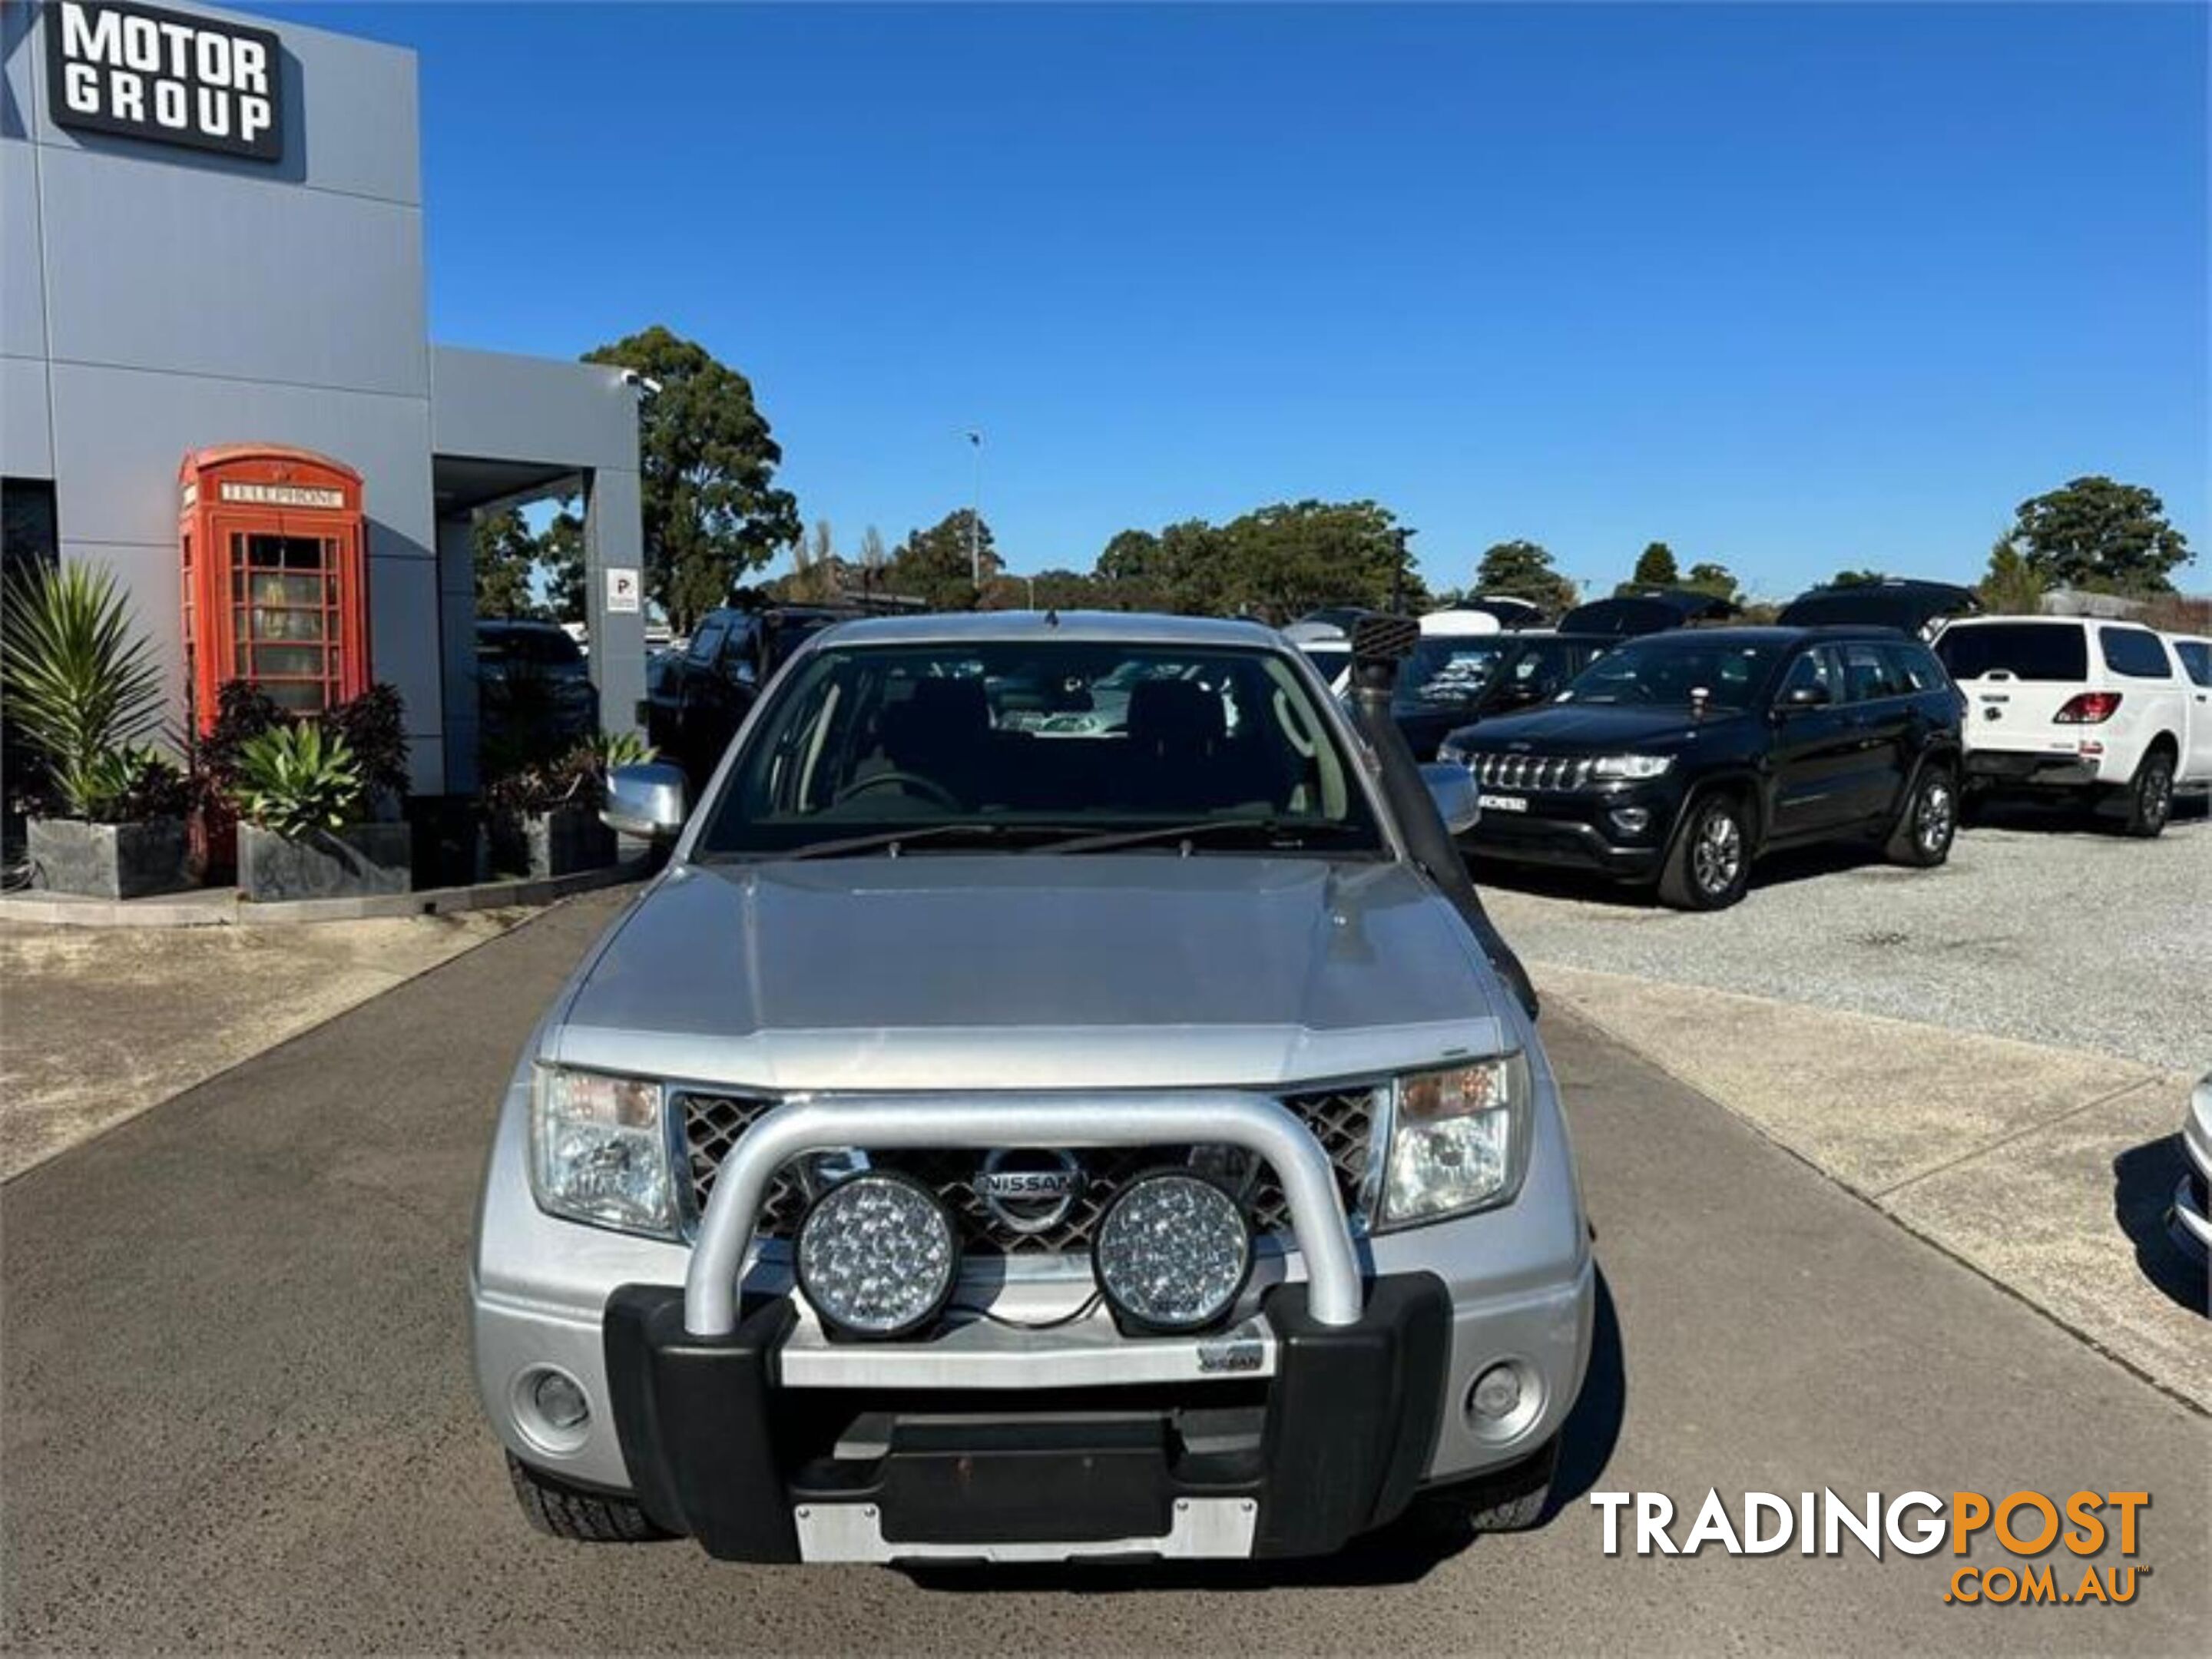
(712, 511)
(1655, 567)
(1524, 570)
(1277, 562)
(2102, 536)
(1063, 590)
(933, 564)
(561, 556)
(1283, 561)
(505, 555)
(1858, 578)
(1182, 569)
(2010, 587)
(1718, 579)
(817, 573)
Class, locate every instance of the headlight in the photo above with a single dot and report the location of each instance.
(1458, 1141)
(876, 1256)
(1173, 1251)
(598, 1150)
(1629, 769)
(1451, 754)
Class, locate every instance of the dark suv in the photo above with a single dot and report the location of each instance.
(1680, 757)
(1451, 681)
(697, 697)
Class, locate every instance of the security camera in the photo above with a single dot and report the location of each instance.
(631, 377)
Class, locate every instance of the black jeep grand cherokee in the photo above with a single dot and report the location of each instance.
(1681, 757)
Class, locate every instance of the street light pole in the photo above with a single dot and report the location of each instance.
(975, 515)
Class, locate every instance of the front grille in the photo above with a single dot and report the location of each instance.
(1537, 772)
(1341, 1120)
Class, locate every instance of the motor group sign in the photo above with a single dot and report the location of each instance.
(142, 72)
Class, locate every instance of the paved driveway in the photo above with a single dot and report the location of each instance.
(238, 1413)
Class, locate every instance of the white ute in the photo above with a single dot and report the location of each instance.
(2079, 704)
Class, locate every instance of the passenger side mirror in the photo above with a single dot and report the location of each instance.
(1806, 697)
(1452, 788)
(645, 800)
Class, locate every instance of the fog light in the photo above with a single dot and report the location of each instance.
(1631, 820)
(877, 1256)
(1173, 1251)
(560, 1401)
(1496, 1393)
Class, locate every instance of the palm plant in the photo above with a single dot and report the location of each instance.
(80, 683)
(613, 749)
(296, 780)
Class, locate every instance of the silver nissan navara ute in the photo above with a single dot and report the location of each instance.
(1055, 1102)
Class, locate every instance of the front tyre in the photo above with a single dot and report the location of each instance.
(560, 1510)
(2150, 796)
(1709, 865)
(1924, 836)
(1510, 1500)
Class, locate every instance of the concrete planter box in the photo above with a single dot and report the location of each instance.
(108, 861)
(561, 843)
(347, 863)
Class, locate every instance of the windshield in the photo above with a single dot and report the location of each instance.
(785, 634)
(1539, 669)
(1061, 740)
(1444, 673)
(1661, 671)
(1328, 660)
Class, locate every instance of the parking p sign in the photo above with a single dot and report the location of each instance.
(623, 592)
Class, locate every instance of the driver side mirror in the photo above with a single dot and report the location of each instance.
(1452, 788)
(1806, 697)
(646, 800)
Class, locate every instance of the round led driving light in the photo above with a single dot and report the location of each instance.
(1172, 1252)
(876, 1255)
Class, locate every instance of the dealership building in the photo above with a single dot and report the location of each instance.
(215, 378)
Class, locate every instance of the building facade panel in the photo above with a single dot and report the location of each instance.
(27, 447)
(493, 402)
(120, 434)
(144, 269)
(405, 641)
(22, 279)
(22, 76)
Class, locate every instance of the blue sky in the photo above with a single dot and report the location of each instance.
(1791, 287)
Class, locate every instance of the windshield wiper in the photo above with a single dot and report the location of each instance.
(1270, 832)
(896, 839)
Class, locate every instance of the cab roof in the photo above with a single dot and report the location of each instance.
(1037, 627)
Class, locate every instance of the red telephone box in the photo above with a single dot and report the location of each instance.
(275, 576)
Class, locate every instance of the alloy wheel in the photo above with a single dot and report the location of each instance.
(1938, 815)
(2157, 793)
(1717, 855)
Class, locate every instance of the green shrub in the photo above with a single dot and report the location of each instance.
(373, 725)
(576, 778)
(132, 785)
(82, 687)
(297, 780)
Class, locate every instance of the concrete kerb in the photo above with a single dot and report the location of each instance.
(222, 907)
(2003, 1156)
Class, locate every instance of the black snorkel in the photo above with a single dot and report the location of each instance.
(1379, 644)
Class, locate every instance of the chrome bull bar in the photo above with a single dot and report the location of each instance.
(1255, 1123)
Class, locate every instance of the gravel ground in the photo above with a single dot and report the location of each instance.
(2040, 927)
